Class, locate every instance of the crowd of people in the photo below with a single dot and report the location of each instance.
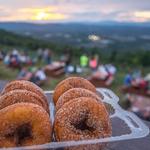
(15, 58)
(138, 93)
(26, 64)
(135, 80)
(64, 65)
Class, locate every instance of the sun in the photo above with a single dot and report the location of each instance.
(42, 16)
(45, 16)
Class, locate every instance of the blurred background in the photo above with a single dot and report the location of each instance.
(106, 42)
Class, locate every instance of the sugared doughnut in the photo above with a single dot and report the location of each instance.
(81, 119)
(18, 96)
(69, 83)
(75, 93)
(24, 124)
(25, 85)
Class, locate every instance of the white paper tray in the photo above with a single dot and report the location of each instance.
(131, 127)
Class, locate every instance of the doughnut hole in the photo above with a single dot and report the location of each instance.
(82, 123)
(21, 133)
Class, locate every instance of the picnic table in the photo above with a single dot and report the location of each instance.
(135, 91)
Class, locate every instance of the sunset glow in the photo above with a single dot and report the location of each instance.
(72, 11)
(44, 16)
(143, 14)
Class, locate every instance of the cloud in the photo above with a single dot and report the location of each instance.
(75, 10)
(33, 14)
(142, 14)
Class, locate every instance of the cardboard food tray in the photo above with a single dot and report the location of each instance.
(130, 126)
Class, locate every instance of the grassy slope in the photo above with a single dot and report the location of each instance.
(7, 73)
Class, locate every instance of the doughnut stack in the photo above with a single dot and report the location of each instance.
(24, 115)
(80, 113)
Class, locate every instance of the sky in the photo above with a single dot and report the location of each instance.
(75, 10)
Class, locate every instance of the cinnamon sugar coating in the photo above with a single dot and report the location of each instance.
(24, 124)
(81, 119)
(25, 85)
(19, 96)
(75, 93)
(69, 83)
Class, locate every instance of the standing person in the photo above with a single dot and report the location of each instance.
(39, 54)
(49, 59)
(6, 59)
(47, 56)
(68, 62)
(23, 58)
(128, 79)
(93, 63)
(84, 60)
(15, 53)
(111, 69)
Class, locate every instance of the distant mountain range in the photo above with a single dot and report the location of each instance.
(11, 25)
(105, 35)
(14, 26)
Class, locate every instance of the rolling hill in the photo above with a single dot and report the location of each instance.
(109, 35)
(10, 39)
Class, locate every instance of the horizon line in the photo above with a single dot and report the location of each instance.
(63, 22)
